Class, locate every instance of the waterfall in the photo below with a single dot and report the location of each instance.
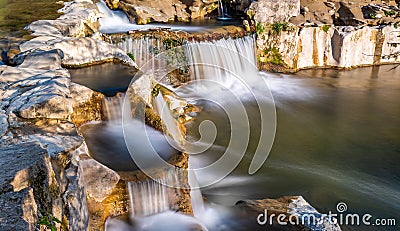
(143, 49)
(113, 21)
(222, 57)
(153, 196)
(223, 10)
(113, 108)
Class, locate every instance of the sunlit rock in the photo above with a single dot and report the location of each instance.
(143, 12)
(291, 206)
(99, 180)
(271, 11)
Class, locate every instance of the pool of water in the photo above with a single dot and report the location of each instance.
(107, 78)
(337, 140)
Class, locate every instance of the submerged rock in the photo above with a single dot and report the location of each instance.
(294, 209)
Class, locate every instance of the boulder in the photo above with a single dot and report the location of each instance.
(47, 60)
(25, 168)
(273, 11)
(350, 15)
(200, 8)
(99, 180)
(145, 11)
(74, 52)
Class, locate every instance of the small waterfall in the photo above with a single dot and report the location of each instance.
(113, 108)
(225, 56)
(153, 196)
(143, 49)
(113, 21)
(223, 10)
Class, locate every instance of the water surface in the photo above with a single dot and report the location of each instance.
(337, 140)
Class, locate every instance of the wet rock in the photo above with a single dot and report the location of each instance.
(145, 11)
(294, 206)
(271, 11)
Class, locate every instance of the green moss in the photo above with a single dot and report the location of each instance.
(260, 28)
(278, 27)
(272, 55)
(390, 13)
(132, 56)
(326, 28)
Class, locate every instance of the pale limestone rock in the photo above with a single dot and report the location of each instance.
(271, 11)
(80, 94)
(18, 210)
(200, 8)
(79, 51)
(46, 60)
(344, 47)
(99, 180)
(3, 123)
(146, 11)
(24, 168)
(75, 195)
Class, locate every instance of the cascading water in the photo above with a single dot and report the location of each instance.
(223, 13)
(113, 106)
(144, 50)
(224, 57)
(155, 195)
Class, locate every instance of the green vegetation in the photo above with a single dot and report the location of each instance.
(132, 56)
(213, 6)
(155, 91)
(259, 28)
(278, 27)
(326, 28)
(373, 16)
(49, 221)
(390, 13)
(273, 55)
(171, 43)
